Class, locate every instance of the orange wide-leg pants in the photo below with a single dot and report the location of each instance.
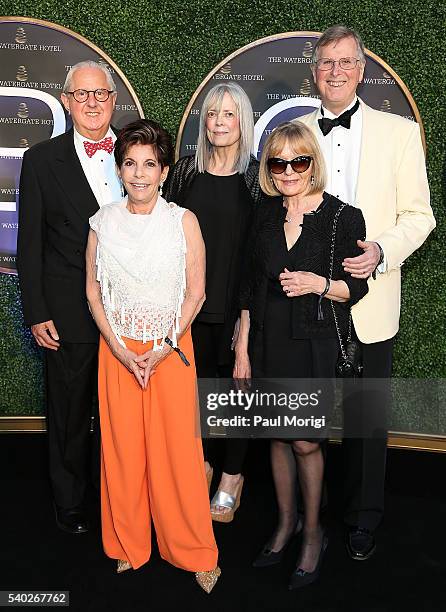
(152, 463)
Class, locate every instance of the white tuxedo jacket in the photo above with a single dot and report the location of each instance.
(393, 195)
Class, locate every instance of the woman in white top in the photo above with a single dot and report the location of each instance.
(145, 285)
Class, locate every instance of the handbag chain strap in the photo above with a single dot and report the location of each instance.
(332, 249)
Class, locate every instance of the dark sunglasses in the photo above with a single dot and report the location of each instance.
(298, 164)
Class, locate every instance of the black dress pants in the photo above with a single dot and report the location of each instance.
(366, 406)
(71, 379)
(207, 338)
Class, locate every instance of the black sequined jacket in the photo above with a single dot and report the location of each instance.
(313, 255)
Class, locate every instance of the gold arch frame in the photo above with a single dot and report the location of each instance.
(299, 34)
(32, 423)
(85, 41)
(95, 48)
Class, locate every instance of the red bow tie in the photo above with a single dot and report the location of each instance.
(92, 147)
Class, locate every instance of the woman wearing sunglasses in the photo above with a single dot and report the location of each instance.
(287, 321)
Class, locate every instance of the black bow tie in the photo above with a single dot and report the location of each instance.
(327, 125)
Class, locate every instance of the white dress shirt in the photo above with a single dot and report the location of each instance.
(100, 170)
(341, 149)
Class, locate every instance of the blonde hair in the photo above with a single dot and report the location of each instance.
(302, 140)
(214, 99)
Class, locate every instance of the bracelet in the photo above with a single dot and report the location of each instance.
(327, 288)
(320, 314)
(183, 357)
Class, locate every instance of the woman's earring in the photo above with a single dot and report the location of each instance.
(312, 179)
(160, 188)
(121, 186)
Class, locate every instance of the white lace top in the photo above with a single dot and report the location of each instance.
(141, 267)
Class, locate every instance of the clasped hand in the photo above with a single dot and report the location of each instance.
(141, 366)
(301, 283)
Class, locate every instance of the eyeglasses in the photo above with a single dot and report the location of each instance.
(81, 95)
(299, 164)
(345, 63)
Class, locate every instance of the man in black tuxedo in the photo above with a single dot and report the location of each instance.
(63, 182)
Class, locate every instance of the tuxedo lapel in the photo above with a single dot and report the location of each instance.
(371, 147)
(71, 178)
(311, 122)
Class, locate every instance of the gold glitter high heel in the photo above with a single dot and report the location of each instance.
(123, 566)
(207, 580)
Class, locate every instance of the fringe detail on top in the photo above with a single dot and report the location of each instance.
(118, 315)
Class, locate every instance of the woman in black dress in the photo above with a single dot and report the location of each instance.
(220, 185)
(287, 326)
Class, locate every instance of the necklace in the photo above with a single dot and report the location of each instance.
(293, 218)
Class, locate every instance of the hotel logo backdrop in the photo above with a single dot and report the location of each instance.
(36, 56)
(275, 73)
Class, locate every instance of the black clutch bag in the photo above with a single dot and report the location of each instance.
(349, 363)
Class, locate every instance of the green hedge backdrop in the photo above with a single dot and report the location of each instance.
(166, 48)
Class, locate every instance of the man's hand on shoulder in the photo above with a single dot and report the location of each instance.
(363, 265)
(46, 335)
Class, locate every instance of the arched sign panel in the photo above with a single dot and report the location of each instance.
(275, 73)
(36, 56)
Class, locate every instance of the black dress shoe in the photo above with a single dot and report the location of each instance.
(268, 557)
(300, 578)
(71, 520)
(360, 543)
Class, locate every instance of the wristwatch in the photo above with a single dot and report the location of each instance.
(381, 254)
(381, 260)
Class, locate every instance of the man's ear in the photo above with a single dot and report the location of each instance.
(313, 72)
(65, 101)
(361, 72)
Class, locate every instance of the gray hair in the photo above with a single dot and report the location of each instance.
(214, 99)
(88, 64)
(336, 33)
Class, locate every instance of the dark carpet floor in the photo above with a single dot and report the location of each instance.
(408, 571)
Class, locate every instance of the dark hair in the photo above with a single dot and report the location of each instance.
(145, 132)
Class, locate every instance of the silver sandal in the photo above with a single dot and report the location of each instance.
(232, 502)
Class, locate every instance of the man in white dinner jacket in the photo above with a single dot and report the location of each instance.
(375, 161)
